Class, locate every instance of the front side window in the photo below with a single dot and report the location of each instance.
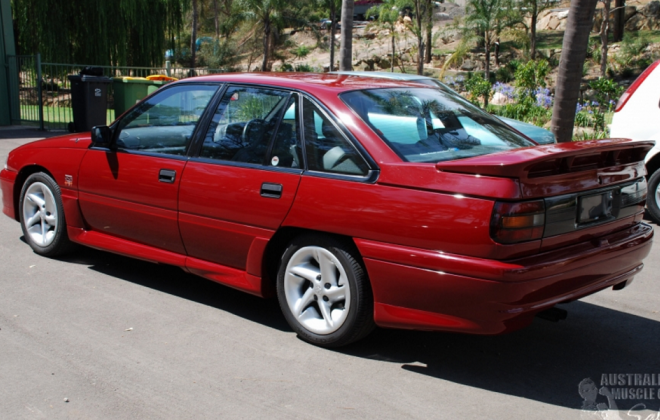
(165, 122)
(326, 148)
(246, 128)
(429, 125)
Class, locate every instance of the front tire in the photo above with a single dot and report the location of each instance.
(653, 200)
(324, 292)
(42, 216)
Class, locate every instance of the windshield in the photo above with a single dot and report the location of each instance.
(429, 125)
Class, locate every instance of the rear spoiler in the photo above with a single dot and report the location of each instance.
(554, 159)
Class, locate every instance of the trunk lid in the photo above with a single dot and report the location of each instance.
(562, 168)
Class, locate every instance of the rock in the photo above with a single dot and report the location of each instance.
(468, 65)
(499, 99)
(562, 15)
(629, 12)
(635, 23)
(651, 10)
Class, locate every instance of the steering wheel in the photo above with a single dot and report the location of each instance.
(252, 127)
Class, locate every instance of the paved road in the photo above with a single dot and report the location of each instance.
(126, 339)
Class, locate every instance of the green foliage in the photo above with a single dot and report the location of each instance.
(596, 135)
(306, 68)
(582, 119)
(101, 32)
(634, 46)
(607, 91)
(478, 87)
(218, 56)
(301, 52)
(506, 73)
(530, 76)
(526, 111)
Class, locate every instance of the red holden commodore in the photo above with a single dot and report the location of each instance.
(356, 201)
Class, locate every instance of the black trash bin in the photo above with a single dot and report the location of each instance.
(89, 99)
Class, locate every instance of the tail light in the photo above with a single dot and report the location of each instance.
(517, 222)
(628, 93)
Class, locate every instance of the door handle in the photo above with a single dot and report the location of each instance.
(271, 190)
(167, 175)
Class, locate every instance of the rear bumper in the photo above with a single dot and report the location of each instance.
(7, 179)
(421, 289)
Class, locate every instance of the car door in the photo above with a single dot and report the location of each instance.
(131, 191)
(241, 185)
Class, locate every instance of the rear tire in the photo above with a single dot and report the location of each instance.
(42, 216)
(324, 292)
(653, 198)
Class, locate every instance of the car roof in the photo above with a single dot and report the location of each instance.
(385, 75)
(309, 82)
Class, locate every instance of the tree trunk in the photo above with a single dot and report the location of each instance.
(193, 35)
(264, 63)
(429, 32)
(497, 52)
(346, 45)
(532, 28)
(487, 55)
(420, 38)
(604, 29)
(487, 67)
(393, 52)
(619, 16)
(333, 27)
(573, 53)
(216, 20)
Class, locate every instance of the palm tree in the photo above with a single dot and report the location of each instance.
(332, 6)
(193, 34)
(486, 18)
(346, 46)
(388, 16)
(573, 53)
(270, 14)
(532, 9)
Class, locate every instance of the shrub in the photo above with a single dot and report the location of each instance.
(478, 87)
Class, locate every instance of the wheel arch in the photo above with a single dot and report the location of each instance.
(22, 176)
(281, 239)
(652, 165)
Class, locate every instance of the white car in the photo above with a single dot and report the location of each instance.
(637, 116)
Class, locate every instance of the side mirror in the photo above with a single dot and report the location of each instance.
(101, 136)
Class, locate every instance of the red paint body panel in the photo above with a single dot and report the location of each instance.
(7, 179)
(120, 194)
(225, 275)
(222, 210)
(416, 218)
(414, 175)
(519, 290)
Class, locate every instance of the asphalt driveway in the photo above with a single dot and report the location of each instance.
(125, 339)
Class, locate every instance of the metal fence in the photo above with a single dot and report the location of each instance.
(40, 93)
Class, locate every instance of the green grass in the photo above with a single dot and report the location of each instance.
(58, 116)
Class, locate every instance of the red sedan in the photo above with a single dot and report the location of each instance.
(357, 202)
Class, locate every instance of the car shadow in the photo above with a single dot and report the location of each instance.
(647, 217)
(544, 362)
(174, 281)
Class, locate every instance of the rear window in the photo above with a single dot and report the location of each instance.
(429, 125)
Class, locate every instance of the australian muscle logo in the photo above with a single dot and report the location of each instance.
(600, 401)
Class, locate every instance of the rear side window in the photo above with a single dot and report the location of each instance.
(326, 147)
(429, 125)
